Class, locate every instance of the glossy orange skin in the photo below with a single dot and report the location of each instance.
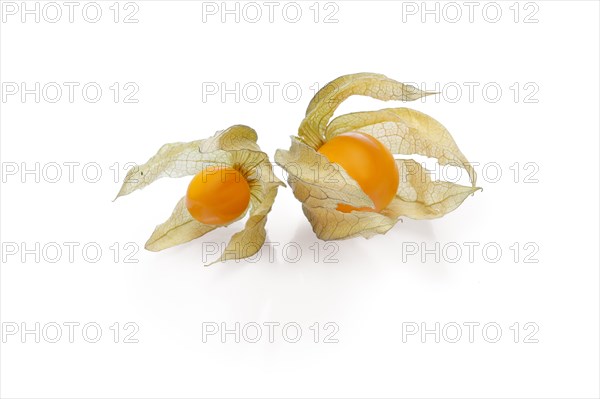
(368, 162)
(217, 195)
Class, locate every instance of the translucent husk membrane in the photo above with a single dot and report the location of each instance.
(321, 185)
(234, 147)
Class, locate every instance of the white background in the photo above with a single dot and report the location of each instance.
(171, 54)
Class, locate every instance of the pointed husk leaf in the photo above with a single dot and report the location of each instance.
(401, 130)
(234, 147)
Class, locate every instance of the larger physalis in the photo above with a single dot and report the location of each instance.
(231, 177)
(344, 171)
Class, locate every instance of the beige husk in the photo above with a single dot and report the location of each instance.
(234, 147)
(321, 185)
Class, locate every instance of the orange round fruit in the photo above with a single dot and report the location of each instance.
(368, 162)
(217, 195)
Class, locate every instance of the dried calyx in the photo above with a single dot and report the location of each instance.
(332, 197)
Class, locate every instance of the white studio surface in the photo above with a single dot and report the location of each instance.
(519, 93)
